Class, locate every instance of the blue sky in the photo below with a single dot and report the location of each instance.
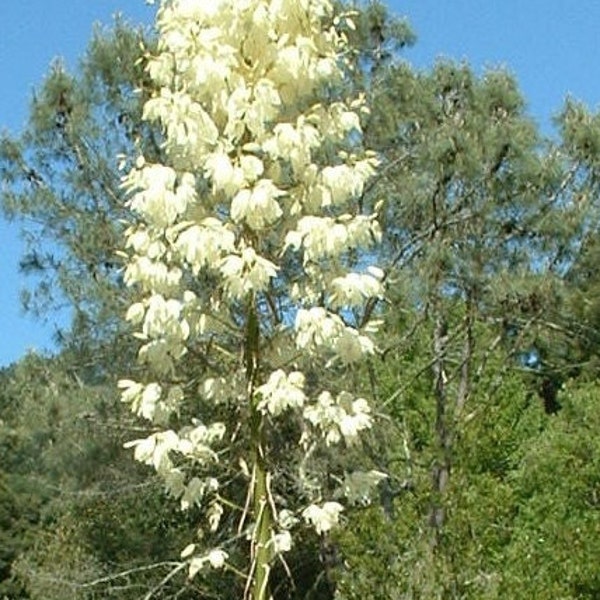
(32, 34)
(550, 45)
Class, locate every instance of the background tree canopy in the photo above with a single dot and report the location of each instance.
(485, 386)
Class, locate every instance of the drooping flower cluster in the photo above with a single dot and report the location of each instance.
(254, 216)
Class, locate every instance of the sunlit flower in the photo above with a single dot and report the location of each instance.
(257, 207)
(281, 391)
(323, 518)
(215, 558)
(246, 272)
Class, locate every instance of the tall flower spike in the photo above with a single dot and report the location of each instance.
(242, 249)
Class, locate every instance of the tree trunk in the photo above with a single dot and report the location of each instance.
(441, 467)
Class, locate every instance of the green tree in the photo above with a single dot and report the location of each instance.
(465, 181)
(482, 224)
(570, 348)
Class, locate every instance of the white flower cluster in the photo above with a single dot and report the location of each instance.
(261, 167)
(323, 518)
(341, 417)
(196, 444)
(319, 330)
(281, 392)
(215, 558)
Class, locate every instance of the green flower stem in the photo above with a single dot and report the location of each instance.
(261, 507)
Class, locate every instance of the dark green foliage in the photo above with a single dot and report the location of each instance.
(20, 506)
(74, 507)
(556, 534)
